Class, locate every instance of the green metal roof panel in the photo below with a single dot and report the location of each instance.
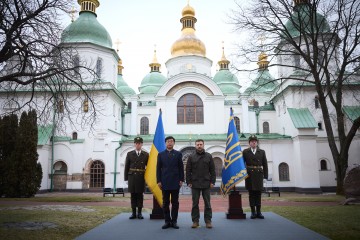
(44, 134)
(352, 112)
(87, 29)
(302, 19)
(209, 137)
(123, 87)
(302, 118)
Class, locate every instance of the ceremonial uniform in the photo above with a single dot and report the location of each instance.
(257, 169)
(135, 165)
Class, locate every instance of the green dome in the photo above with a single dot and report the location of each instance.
(122, 86)
(152, 82)
(263, 82)
(301, 19)
(227, 81)
(86, 29)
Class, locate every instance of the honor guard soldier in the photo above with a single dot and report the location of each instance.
(257, 169)
(135, 165)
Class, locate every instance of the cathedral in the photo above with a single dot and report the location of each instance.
(195, 105)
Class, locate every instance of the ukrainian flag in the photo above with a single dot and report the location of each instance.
(150, 173)
(234, 170)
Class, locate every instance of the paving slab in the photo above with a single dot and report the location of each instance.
(273, 227)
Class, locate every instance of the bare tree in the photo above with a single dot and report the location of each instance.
(36, 70)
(319, 41)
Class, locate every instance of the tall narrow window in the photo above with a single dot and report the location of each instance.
(129, 105)
(190, 109)
(99, 67)
(284, 172)
(323, 165)
(144, 126)
(266, 127)
(97, 174)
(237, 124)
(320, 126)
(316, 101)
(76, 64)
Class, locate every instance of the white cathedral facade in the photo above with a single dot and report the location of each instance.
(194, 105)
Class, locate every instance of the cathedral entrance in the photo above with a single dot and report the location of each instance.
(97, 174)
(186, 152)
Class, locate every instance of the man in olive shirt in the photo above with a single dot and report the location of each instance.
(135, 165)
(200, 177)
(257, 169)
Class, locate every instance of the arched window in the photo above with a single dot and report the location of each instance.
(144, 126)
(323, 165)
(74, 136)
(237, 124)
(76, 63)
(97, 174)
(60, 167)
(218, 167)
(266, 128)
(284, 172)
(129, 105)
(190, 109)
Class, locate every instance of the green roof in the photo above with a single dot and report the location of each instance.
(44, 134)
(302, 118)
(122, 86)
(207, 137)
(227, 81)
(352, 112)
(264, 82)
(301, 19)
(152, 82)
(86, 29)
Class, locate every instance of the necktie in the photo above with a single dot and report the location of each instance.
(138, 153)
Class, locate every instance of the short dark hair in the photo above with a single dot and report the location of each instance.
(199, 140)
(169, 137)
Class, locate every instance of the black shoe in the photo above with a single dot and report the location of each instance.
(133, 216)
(253, 215)
(174, 225)
(166, 225)
(140, 216)
(259, 215)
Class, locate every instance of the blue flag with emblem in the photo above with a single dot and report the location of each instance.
(234, 170)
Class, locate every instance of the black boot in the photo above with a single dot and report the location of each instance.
(253, 214)
(258, 212)
(133, 215)
(140, 216)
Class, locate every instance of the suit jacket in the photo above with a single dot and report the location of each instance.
(134, 171)
(257, 169)
(170, 169)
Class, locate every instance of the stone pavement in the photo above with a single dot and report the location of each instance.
(273, 227)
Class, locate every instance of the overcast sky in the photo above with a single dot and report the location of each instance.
(141, 24)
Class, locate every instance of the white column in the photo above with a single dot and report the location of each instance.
(245, 116)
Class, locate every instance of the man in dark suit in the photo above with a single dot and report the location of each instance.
(135, 165)
(170, 177)
(257, 169)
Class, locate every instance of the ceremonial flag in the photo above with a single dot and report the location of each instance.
(234, 170)
(150, 172)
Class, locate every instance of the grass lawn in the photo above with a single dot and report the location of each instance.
(334, 222)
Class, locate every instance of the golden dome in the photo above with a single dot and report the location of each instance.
(188, 43)
(188, 11)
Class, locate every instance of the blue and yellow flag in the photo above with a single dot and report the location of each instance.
(234, 170)
(150, 173)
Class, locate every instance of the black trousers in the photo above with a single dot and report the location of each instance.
(174, 195)
(254, 198)
(137, 200)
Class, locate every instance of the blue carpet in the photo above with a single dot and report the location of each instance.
(273, 227)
